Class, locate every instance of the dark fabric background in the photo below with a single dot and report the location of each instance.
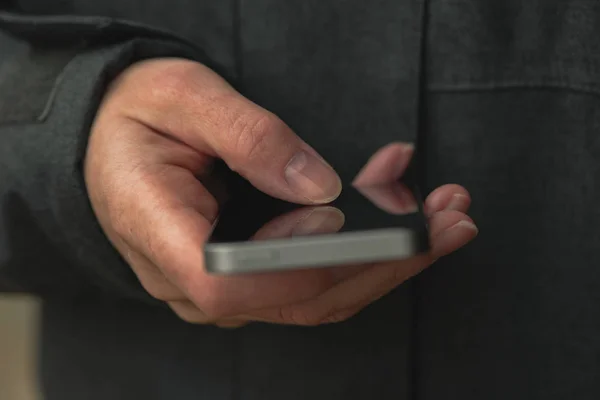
(510, 110)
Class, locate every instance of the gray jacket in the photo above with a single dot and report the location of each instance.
(506, 94)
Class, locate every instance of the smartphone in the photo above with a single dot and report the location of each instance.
(257, 233)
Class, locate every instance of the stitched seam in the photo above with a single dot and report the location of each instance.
(237, 40)
(53, 92)
(47, 96)
(516, 85)
(413, 365)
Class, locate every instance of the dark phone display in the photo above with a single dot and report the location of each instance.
(249, 210)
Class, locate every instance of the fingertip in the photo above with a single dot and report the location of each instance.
(454, 237)
(448, 197)
(311, 178)
(388, 164)
(459, 202)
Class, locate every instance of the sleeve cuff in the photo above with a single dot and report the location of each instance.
(44, 177)
(77, 99)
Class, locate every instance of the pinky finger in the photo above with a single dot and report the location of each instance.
(450, 230)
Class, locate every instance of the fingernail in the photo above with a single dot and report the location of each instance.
(408, 150)
(453, 238)
(322, 220)
(458, 202)
(408, 147)
(465, 225)
(312, 178)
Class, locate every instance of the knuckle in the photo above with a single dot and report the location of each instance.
(252, 132)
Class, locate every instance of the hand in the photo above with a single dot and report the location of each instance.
(159, 127)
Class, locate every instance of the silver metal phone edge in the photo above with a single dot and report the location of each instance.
(304, 252)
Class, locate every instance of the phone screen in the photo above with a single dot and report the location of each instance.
(251, 215)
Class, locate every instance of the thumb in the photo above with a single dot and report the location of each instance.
(201, 109)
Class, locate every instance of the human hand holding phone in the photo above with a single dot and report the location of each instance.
(159, 126)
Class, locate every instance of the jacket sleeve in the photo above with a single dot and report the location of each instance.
(53, 71)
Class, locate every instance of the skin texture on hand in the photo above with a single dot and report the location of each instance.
(160, 126)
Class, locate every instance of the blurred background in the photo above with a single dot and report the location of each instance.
(19, 317)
